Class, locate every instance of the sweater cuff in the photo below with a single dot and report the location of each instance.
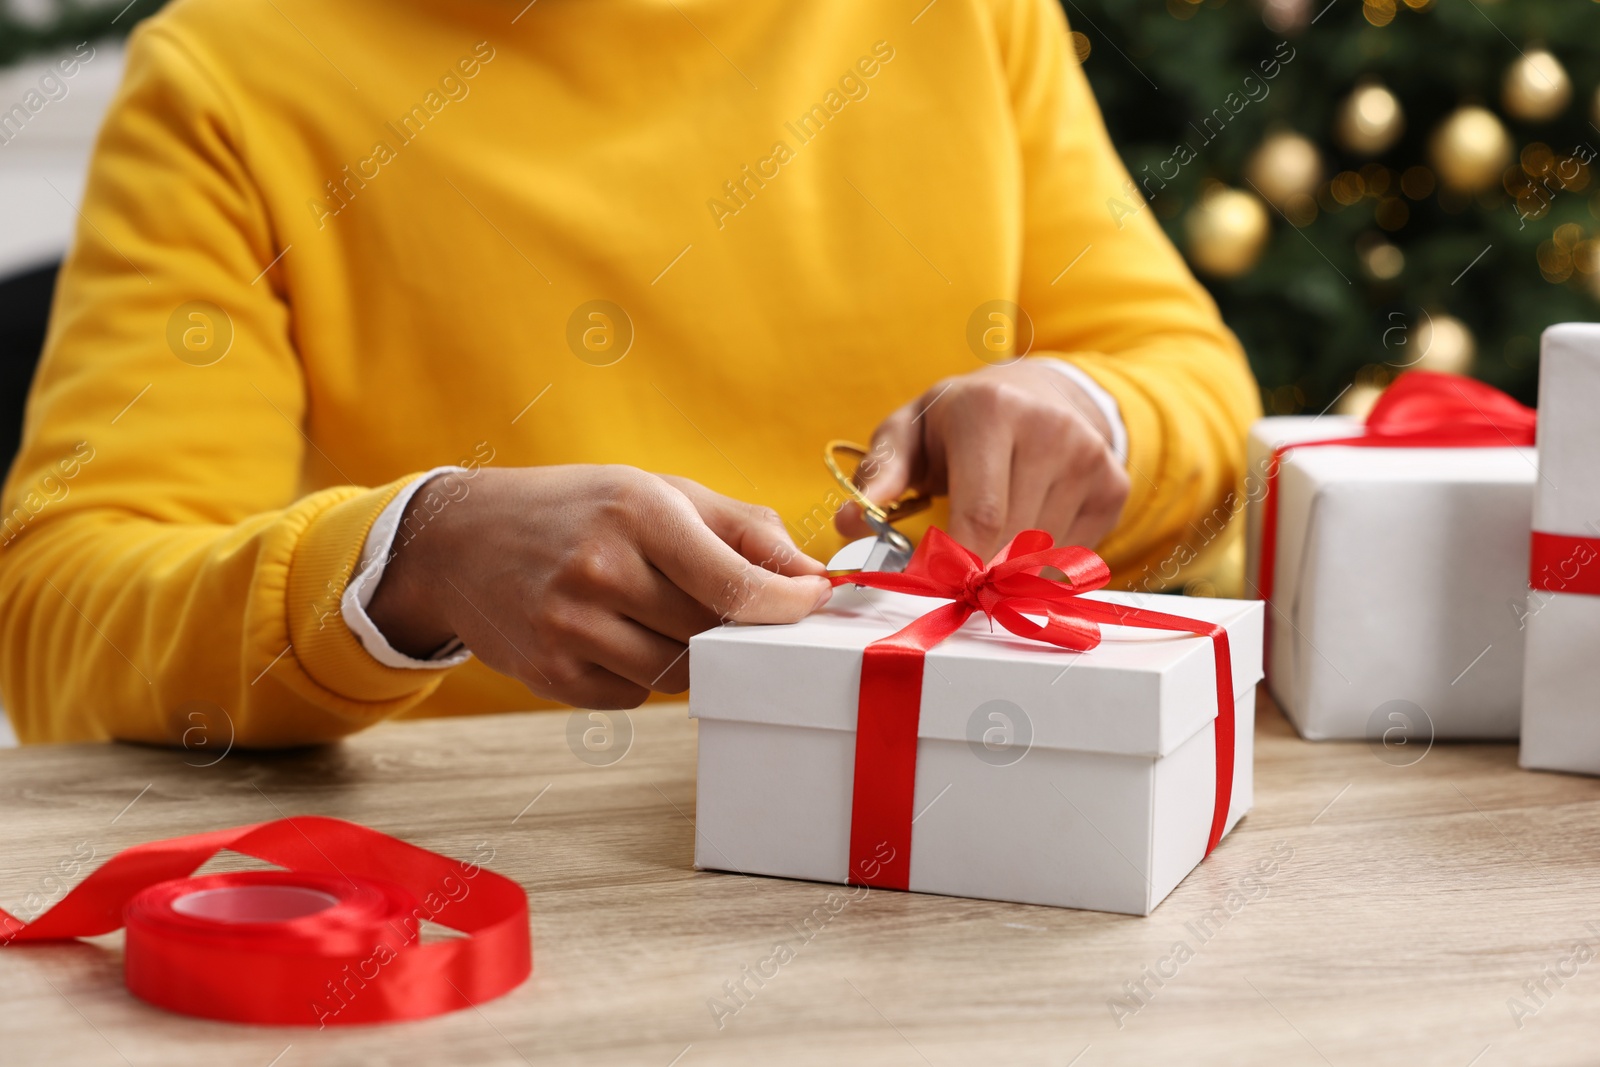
(375, 556)
(324, 561)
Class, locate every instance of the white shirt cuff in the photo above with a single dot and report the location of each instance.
(375, 556)
(1102, 400)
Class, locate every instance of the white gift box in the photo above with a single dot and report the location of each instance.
(1399, 583)
(1561, 689)
(1079, 780)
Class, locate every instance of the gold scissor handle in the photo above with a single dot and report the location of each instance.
(879, 516)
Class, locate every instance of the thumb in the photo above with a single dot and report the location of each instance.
(742, 564)
(885, 471)
(755, 532)
(758, 595)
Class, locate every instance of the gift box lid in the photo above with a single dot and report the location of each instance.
(1141, 692)
(1347, 463)
(1429, 466)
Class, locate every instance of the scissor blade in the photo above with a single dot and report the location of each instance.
(869, 554)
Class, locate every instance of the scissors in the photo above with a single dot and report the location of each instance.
(889, 550)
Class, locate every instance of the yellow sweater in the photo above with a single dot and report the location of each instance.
(326, 247)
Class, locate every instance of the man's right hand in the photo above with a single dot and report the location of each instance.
(586, 582)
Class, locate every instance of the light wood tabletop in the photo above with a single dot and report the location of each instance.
(1374, 908)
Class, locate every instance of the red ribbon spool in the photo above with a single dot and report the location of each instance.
(333, 940)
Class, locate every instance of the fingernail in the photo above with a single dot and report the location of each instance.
(827, 594)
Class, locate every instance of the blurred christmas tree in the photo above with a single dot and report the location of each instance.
(29, 27)
(1365, 186)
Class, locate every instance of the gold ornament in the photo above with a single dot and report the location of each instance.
(1470, 149)
(1358, 399)
(1382, 261)
(1227, 229)
(1445, 344)
(1586, 257)
(1536, 87)
(1286, 16)
(1286, 165)
(1369, 120)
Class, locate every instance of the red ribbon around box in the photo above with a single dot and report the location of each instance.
(1006, 591)
(1558, 563)
(1422, 409)
(332, 940)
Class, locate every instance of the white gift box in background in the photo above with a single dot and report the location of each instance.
(1080, 780)
(1561, 689)
(1400, 577)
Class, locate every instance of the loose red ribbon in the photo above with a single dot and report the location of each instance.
(1007, 591)
(333, 940)
(1422, 409)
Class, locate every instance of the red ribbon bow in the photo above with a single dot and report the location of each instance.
(1422, 409)
(1006, 591)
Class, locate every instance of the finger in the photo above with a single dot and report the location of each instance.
(980, 486)
(1101, 510)
(599, 689)
(640, 655)
(850, 521)
(678, 542)
(1035, 469)
(887, 469)
(650, 599)
(1059, 514)
(575, 682)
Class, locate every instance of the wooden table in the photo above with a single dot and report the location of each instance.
(1408, 907)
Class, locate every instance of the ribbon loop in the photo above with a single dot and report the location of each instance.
(1428, 402)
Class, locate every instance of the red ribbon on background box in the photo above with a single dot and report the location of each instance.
(1422, 409)
(333, 940)
(890, 701)
(1562, 564)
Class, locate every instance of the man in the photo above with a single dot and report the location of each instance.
(412, 357)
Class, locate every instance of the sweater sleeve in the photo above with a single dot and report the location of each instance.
(1107, 291)
(158, 552)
